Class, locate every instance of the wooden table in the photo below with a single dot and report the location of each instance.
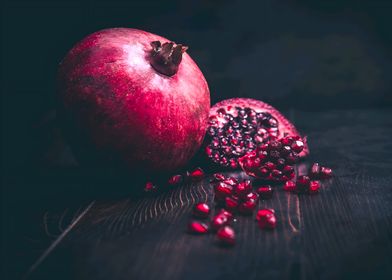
(345, 232)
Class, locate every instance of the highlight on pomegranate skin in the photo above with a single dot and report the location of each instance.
(238, 126)
(135, 97)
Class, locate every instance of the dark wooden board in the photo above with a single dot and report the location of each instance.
(344, 232)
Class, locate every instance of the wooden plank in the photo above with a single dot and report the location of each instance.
(344, 232)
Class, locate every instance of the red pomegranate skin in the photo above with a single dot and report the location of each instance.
(126, 108)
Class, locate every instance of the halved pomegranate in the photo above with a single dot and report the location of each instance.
(237, 126)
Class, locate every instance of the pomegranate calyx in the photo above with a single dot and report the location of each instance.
(165, 58)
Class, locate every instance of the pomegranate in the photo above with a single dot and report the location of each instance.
(136, 98)
(274, 160)
(237, 126)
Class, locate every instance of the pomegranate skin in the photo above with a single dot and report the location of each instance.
(128, 111)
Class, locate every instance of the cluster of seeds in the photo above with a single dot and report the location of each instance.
(234, 131)
(274, 160)
(308, 184)
(232, 197)
(175, 180)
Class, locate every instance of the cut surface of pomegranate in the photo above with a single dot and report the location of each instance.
(237, 126)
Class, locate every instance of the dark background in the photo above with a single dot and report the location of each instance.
(305, 55)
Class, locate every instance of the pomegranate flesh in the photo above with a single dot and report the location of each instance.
(136, 98)
(273, 161)
(237, 126)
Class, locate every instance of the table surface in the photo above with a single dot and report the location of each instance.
(343, 232)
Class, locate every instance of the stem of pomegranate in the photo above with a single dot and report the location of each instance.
(165, 58)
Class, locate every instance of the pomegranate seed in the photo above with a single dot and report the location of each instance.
(175, 180)
(217, 177)
(267, 222)
(221, 219)
(289, 186)
(314, 187)
(297, 146)
(264, 212)
(201, 210)
(231, 203)
(265, 192)
(253, 196)
(226, 213)
(197, 174)
(247, 207)
(226, 236)
(231, 181)
(196, 227)
(149, 187)
(325, 172)
(243, 188)
(314, 172)
(223, 190)
(266, 218)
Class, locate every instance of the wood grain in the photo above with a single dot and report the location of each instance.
(342, 233)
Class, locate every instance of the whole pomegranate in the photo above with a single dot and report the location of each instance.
(135, 97)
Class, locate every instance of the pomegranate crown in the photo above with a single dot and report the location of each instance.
(165, 58)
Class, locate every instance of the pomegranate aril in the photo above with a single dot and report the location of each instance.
(252, 196)
(276, 173)
(289, 186)
(196, 227)
(223, 190)
(325, 173)
(221, 219)
(197, 174)
(266, 218)
(226, 236)
(264, 212)
(314, 187)
(288, 169)
(297, 146)
(217, 177)
(231, 204)
(265, 192)
(175, 180)
(231, 181)
(267, 222)
(314, 171)
(247, 207)
(201, 210)
(149, 187)
(243, 188)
